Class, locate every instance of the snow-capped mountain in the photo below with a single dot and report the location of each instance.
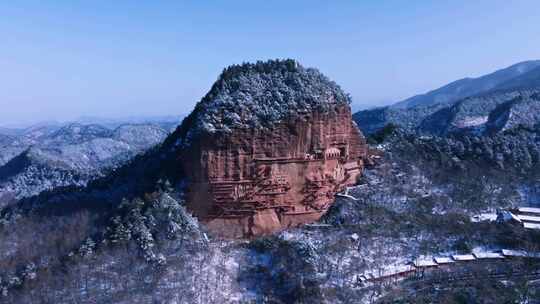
(462, 105)
(510, 77)
(485, 113)
(47, 157)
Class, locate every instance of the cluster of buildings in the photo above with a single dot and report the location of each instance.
(421, 264)
(529, 217)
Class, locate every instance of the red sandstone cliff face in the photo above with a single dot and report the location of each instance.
(253, 182)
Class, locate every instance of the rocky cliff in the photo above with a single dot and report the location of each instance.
(268, 148)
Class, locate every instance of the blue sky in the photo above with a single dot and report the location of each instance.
(63, 59)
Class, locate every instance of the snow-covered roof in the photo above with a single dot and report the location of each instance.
(443, 260)
(392, 270)
(514, 253)
(529, 218)
(520, 253)
(531, 225)
(529, 210)
(488, 255)
(463, 257)
(424, 262)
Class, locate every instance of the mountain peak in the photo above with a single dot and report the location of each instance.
(256, 95)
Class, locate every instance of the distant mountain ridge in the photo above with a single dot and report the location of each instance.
(77, 133)
(526, 80)
(169, 122)
(478, 114)
(461, 105)
(506, 78)
(45, 157)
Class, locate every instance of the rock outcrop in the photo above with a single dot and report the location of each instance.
(249, 176)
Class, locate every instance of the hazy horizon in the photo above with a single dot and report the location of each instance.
(95, 119)
(61, 61)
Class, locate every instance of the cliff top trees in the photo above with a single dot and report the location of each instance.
(257, 95)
